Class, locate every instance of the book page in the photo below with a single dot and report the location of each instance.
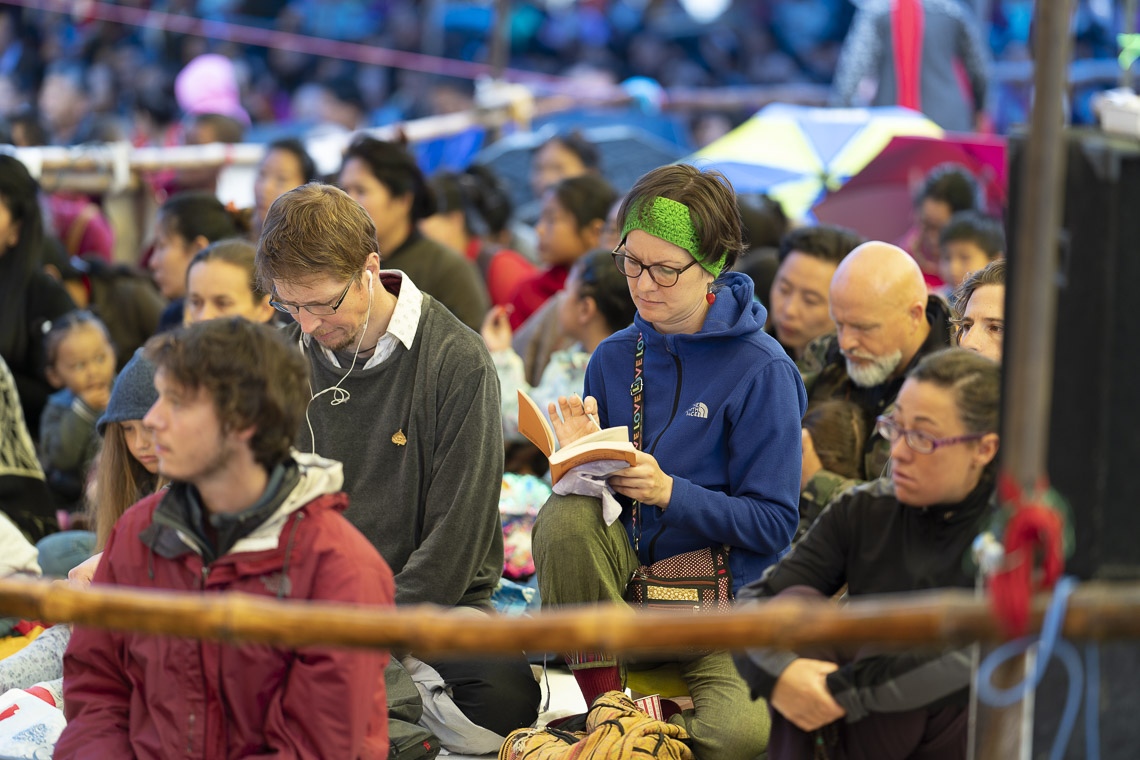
(533, 424)
(618, 434)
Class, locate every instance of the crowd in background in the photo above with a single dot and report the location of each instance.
(803, 336)
(93, 79)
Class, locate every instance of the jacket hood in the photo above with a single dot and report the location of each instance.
(735, 312)
(318, 477)
(315, 477)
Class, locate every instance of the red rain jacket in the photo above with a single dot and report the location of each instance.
(138, 695)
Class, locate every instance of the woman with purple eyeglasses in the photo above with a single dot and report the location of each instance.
(909, 531)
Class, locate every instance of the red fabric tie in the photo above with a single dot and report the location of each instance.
(1032, 530)
(907, 21)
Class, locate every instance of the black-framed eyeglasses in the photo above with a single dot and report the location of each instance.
(918, 441)
(316, 309)
(665, 277)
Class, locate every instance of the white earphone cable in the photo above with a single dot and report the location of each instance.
(339, 395)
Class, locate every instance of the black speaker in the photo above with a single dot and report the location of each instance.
(1094, 442)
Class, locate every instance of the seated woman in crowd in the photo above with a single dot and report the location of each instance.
(285, 165)
(560, 157)
(595, 304)
(385, 180)
(28, 296)
(220, 282)
(540, 336)
(187, 223)
(719, 433)
(472, 216)
(978, 307)
(912, 531)
(573, 215)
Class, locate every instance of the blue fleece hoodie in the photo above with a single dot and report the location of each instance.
(722, 417)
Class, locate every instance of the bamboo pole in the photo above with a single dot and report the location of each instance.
(938, 619)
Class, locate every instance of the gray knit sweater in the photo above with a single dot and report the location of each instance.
(422, 447)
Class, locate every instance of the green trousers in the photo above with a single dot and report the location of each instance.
(580, 560)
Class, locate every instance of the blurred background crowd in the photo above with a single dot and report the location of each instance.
(97, 71)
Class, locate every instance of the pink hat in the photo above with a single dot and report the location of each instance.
(208, 84)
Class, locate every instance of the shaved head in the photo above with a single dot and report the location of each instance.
(878, 302)
(881, 271)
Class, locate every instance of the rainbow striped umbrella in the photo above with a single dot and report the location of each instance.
(797, 154)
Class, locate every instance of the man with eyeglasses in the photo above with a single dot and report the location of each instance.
(885, 323)
(407, 398)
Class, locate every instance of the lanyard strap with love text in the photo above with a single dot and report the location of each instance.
(637, 391)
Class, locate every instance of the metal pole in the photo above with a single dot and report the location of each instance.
(1031, 321)
(431, 34)
(500, 39)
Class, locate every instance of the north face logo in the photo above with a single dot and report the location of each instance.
(698, 410)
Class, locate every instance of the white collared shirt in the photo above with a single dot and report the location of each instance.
(402, 327)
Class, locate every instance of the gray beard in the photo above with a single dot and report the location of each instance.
(875, 373)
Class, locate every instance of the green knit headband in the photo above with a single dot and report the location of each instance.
(669, 220)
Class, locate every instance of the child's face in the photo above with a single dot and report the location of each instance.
(560, 241)
(84, 362)
(959, 258)
(140, 442)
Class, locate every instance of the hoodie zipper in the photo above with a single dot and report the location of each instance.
(653, 448)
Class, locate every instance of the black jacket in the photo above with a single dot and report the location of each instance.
(869, 541)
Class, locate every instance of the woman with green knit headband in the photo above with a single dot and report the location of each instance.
(717, 425)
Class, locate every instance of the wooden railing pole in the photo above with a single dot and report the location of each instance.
(937, 619)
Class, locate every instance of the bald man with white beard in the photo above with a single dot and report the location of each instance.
(885, 322)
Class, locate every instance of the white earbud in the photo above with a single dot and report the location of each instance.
(340, 395)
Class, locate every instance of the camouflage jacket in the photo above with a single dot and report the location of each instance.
(824, 372)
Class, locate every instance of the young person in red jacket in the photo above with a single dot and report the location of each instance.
(243, 514)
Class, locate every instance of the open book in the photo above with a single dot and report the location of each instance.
(609, 444)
